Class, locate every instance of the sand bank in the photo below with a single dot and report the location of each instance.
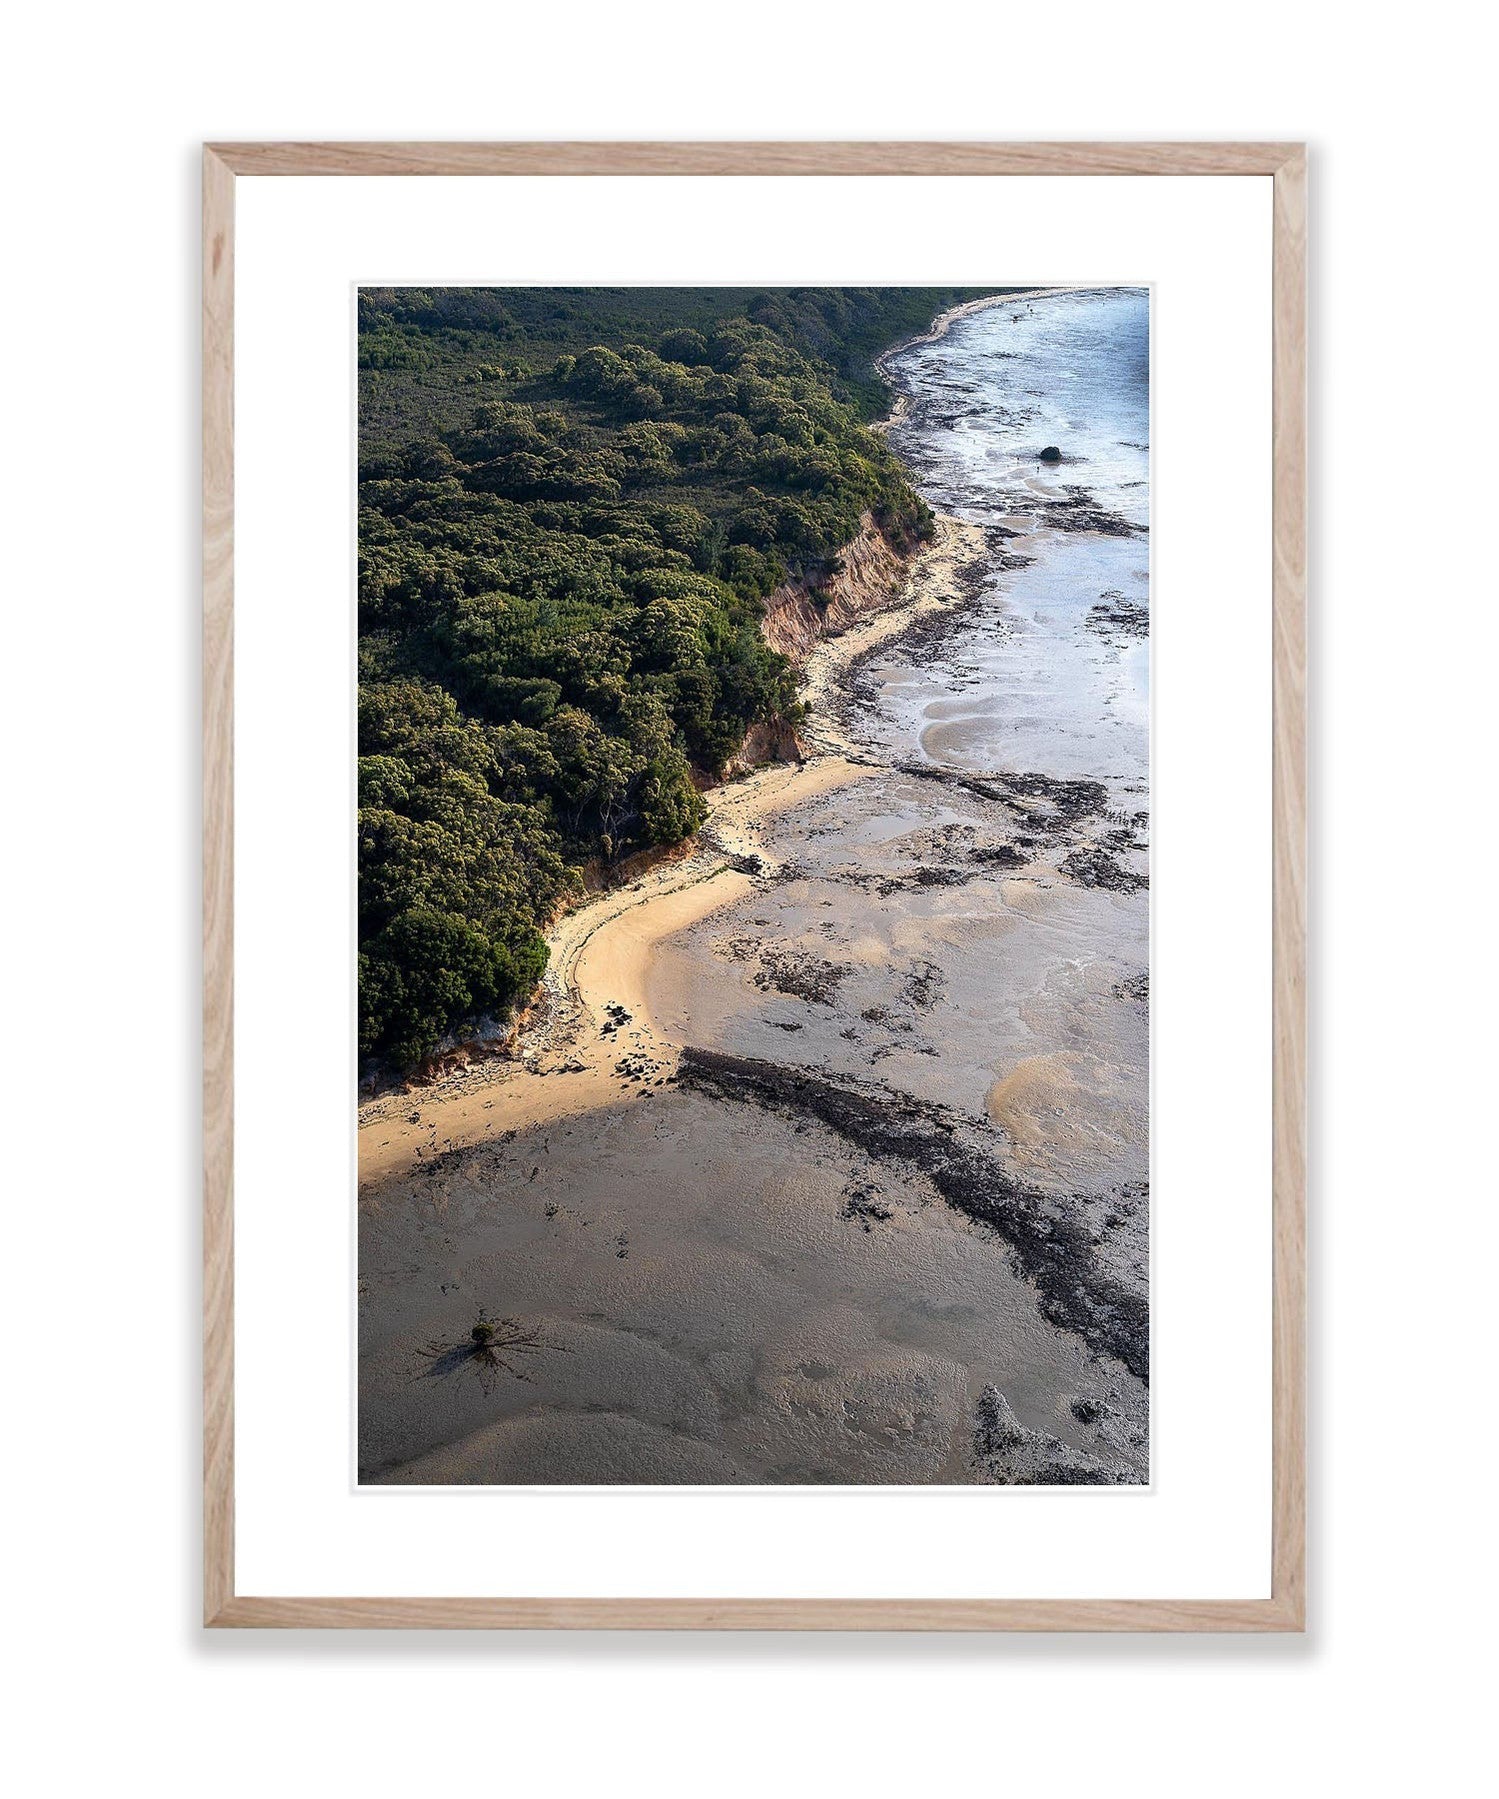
(821, 1158)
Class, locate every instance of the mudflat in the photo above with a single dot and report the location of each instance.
(823, 1155)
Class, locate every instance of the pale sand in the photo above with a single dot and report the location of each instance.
(562, 1062)
(931, 586)
(730, 1291)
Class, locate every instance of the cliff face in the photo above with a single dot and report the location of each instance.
(798, 616)
(775, 742)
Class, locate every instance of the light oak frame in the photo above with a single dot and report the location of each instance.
(1285, 1609)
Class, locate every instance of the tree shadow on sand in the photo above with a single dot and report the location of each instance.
(494, 1348)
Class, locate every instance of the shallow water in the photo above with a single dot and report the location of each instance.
(1041, 1024)
(1047, 681)
(740, 1294)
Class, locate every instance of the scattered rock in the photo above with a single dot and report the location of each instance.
(1013, 1456)
(864, 1205)
(1000, 855)
(1097, 868)
(801, 975)
(637, 1066)
(996, 1429)
(1049, 1235)
(1079, 510)
(923, 986)
(1115, 616)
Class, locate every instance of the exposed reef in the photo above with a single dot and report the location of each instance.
(1049, 1236)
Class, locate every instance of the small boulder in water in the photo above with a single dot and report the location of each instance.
(1051, 454)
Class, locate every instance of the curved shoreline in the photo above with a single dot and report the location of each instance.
(563, 1058)
(840, 1255)
(676, 888)
(939, 328)
(559, 1059)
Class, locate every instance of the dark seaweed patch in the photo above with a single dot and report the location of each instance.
(1048, 1236)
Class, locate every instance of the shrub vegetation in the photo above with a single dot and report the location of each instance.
(572, 505)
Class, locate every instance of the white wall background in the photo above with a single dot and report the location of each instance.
(105, 107)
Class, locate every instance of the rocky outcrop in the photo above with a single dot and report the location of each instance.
(1048, 1234)
(868, 576)
(1011, 1455)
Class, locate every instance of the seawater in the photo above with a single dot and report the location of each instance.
(1045, 683)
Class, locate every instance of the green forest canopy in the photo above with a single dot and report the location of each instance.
(572, 504)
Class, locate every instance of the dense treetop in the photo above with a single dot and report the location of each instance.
(572, 505)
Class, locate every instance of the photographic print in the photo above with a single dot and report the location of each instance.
(753, 893)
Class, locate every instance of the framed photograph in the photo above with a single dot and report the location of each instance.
(754, 885)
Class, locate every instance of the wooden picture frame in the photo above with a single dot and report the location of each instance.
(1284, 1609)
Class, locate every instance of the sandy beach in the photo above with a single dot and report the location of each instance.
(822, 1156)
(560, 1060)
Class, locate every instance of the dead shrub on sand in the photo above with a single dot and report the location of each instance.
(493, 1348)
